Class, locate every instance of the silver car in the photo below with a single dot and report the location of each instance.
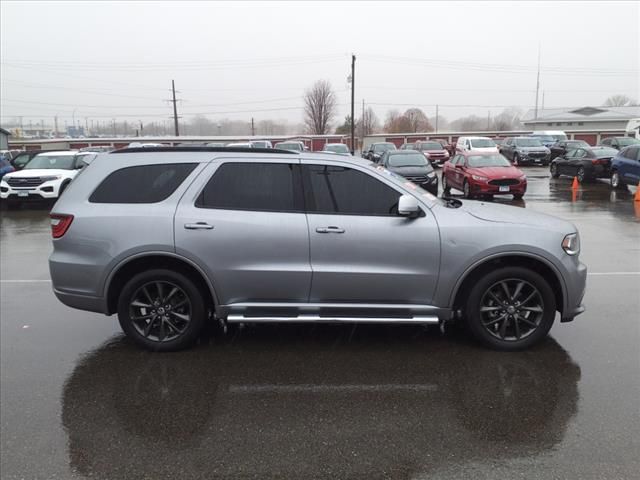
(169, 238)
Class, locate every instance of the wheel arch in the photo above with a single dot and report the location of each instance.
(138, 263)
(532, 262)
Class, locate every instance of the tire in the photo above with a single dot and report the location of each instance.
(582, 175)
(446, 189)
(518, 196)
(616, 181)
(520, 329)
(466, 190)
(554, 170)
(159, 328)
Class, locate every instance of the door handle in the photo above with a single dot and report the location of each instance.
(198, 226)
(330, 229)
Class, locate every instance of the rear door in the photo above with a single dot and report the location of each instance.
(361, 250)
(243, 222)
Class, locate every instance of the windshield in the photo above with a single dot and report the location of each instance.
(545, 138)
(577, 143)
(63, 162)
(605, 152)
(409, 160)
(480, 161)
(430, 146)
(625, 142)
(383, 147)
(289, 146)
(336, 148)
(482, 143)
(559, 137)
(528, 142)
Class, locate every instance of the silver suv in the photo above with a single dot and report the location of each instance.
(168, 238)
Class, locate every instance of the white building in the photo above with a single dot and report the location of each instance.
(581, 119)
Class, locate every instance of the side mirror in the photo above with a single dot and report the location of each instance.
(459, 165)
(408, 206)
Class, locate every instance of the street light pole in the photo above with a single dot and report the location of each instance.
(353, 87)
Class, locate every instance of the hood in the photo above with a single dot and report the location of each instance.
(493, 212)
(497, 172)
(533, 149)
(40, 172)
(410, 171)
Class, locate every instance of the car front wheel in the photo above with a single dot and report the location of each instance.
(616, 182)
(554, 170)
(510, 308)
(582, 175)
(161, 310)
(466, 189)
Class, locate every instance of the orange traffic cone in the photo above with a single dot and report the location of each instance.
(575, 185)
(637, 196)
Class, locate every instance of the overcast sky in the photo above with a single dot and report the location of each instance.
(107, 60)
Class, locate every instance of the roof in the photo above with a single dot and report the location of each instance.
(58, 153)
(6, 132)
(582, 114)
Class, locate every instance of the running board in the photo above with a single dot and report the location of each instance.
(233, 318)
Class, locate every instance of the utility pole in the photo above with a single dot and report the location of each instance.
(353, 90)
(175, 109)
(141, 128)
(55, 122)
(537, 84)
(437, 118)
(542, 106)
(488, 119)
(114, 127)
(253, 128)
(362, 121)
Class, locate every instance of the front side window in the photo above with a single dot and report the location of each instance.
(60, 162)
(266, 187)
(341, 190)
(630, 153)
(482, 143)
(142, 184)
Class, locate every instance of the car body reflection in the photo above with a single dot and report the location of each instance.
(318, 402)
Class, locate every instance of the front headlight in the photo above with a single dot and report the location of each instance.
(431, 174)
(50, 178)
(571, 244)
(522, 178)
(479, 178)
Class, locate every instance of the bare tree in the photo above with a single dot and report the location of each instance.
(620, 101)
(319, 107)
(369, 123)
(469, 123)
(417, 120)
(508, 119)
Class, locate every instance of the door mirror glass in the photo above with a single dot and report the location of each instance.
(408, 206)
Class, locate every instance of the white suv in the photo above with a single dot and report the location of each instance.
(477, 144)
(44, 177)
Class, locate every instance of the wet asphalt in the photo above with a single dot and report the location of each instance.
(77, 400)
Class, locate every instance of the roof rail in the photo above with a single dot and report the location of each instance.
(203, 149)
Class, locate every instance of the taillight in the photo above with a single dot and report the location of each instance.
(60, 224)
(601, 161)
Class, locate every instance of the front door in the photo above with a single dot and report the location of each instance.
(244, 223)
(361, 250)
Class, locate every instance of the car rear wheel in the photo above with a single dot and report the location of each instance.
(510, 308)
(616, 181)
(161, 310)
(518, 196)
(554, 170)
(582, 175)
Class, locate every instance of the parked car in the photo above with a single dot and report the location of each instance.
(46, 176)
(376, 150)
(290, 145)
(619, 142)
(146, 145)
(498, 141)
(261, 144)
(558, 149)
(22, 158)
(412, 165)
(435, 152)
(549, 137)
(408, 146)
(584, 163)
(449, 147)
(169, 239)
(337, 148)
(483, 174)
(215, 144)
(523, 150)
(476, 144)
(100, 149)
(625, 167)
(239, 145)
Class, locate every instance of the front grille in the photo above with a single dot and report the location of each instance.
(28, 182)
(420, 179)
(504, 181)
(536, 154)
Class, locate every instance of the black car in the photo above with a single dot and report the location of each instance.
(376, 150)
(584, 163)
(412, 165)
(524, 150)
(558, 149)
(22, 158)
(619, 142)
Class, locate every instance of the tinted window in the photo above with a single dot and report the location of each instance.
(332, 189)
(253, 186)
(142, 184)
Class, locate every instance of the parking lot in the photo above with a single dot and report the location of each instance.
(80, 401)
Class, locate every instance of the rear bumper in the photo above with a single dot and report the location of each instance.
(82, 302)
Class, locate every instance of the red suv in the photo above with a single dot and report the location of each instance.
(436, 153)
(483, 173)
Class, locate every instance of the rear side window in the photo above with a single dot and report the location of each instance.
(341, 190)
(274, 187)
(142, 184)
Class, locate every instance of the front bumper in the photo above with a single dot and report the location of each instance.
(528, 158)
(47, 190)
(484, 188)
